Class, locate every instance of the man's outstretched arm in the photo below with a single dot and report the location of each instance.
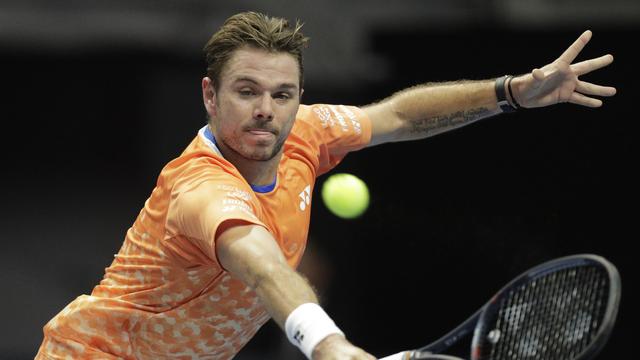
(250, 253)
(430, 109)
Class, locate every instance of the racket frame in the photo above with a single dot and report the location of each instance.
(475, 323)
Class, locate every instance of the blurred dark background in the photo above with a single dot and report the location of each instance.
(98, 95)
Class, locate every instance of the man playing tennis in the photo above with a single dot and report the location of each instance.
(212, 255)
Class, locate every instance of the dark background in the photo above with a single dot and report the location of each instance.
(89, 121)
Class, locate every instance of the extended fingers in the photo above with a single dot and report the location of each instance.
(572, 52)
(579, 96)
(593, 89)
(587, 66)
(579, 99)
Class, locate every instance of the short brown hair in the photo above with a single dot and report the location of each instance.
(253, 29)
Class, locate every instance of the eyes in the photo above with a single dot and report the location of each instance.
(249, 93)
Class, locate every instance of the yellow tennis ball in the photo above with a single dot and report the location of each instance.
(345, 195)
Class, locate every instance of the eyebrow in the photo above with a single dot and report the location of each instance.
(253, 81)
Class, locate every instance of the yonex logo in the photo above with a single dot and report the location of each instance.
(305, 197)
(298, 337)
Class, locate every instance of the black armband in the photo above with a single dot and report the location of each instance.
(501, 94)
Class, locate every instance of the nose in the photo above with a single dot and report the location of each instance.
(264, 108)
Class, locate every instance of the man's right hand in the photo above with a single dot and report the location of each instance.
(336, 347)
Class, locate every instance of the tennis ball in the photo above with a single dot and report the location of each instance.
(345, 195)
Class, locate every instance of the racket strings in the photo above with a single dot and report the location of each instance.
(555, 316)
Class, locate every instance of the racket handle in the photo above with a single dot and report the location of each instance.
(403, 355)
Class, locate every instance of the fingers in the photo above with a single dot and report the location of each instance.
(572, 52)
(593, 89)
(579, 99)
(590, 65)
(538, 74)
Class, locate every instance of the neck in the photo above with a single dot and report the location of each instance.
(255, 172)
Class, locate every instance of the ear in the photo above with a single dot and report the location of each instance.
(209, 96)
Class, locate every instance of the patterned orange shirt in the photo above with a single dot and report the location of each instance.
(165, 295)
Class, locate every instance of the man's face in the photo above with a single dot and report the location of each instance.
(255, 106)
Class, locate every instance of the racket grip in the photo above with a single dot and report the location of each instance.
(403, 355)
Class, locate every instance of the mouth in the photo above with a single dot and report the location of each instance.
(261, 134)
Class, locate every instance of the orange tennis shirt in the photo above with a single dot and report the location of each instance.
(165, 295)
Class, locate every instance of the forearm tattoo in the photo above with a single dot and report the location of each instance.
(437, 124)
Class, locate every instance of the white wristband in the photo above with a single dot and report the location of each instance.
(307, 325)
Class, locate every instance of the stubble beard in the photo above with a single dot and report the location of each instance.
(254, 153)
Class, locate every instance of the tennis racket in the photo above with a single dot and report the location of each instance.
(562, 309)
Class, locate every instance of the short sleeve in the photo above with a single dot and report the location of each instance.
(197, 211)
(332, 131)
